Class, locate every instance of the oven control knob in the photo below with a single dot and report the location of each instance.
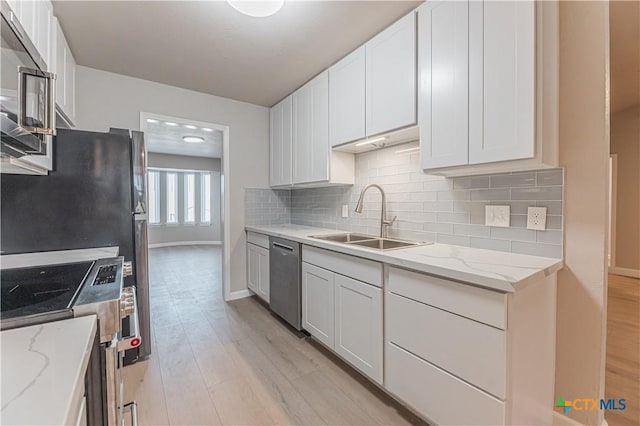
(127, 307)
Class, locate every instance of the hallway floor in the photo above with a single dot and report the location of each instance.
(622, 378)
(235, 364)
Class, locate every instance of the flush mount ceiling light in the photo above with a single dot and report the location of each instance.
(257, 8)
(193, 139)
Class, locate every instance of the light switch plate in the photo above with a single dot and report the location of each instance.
(499, 216)
(345, 210)
(537, 218)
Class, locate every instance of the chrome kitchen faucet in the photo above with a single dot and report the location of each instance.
(383, 210)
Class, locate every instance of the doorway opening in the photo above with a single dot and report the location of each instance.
(188, 199)
(622, 373)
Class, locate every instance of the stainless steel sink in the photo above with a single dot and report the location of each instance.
(369, 241)
(344, 238)
(387, 244)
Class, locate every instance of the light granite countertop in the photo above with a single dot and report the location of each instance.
(505, 272)
(43, 369)
(10, 261)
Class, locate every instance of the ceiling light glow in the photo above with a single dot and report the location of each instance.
(193, 139)
(257, 8)
(371, 141)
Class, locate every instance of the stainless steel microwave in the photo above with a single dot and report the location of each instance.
(27, 94)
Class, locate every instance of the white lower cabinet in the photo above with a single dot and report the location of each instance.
(344, 313)
(358, 325)
(258, 270)
(317, 303)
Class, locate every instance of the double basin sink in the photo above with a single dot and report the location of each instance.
(369, 241)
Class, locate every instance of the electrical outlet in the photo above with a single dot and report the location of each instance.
(499, 216)
(345, 210)
(537, 218)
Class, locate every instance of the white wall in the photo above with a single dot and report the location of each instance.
(584, 152)
(106, 100)
(180, 232)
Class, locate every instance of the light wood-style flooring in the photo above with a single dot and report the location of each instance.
(622, 379)
(235, 364)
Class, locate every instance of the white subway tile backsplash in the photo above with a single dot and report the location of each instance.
(429, 208)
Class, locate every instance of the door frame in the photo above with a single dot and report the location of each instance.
(613, 200)
(224, 188)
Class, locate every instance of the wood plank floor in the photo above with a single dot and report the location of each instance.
(215, 363)
(622, 379)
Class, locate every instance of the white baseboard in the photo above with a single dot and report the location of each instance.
(560, 419)
(239, 294)
(186, 243)
(627, 272)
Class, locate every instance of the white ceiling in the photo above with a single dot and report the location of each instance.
(165, 139)
(210, 47)
(625, 54)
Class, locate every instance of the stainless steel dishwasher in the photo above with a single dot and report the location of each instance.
(284, 280)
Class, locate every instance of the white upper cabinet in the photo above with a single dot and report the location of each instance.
(391, 77)
(498, 60)
(311, 131)
(347, 99)
(443, 60)
(64, 66)
(281, 137)
(42, 40)
(502, 83)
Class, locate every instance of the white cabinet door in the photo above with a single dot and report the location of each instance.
(391, 77)
(42, 41)
(263, 273)
(502, 80)
(443, 59)
(69, 84)
(347, 99)
(65, 70)
(26, 14)
(358, 325)
(280, 146)
(318, 303)
(253, 268)
(311, 131)
(58, 61)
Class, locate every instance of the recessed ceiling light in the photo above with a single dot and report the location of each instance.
(206, 129)
(257, 8)
(193, 139)
(152, 120)
(371, 141)
(189, 126)
(169, 123)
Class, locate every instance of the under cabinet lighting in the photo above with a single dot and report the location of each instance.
(169, 123)
(415, 148)
(193, 139)
(189, 126)
(206, 129)
(371, 141)
(152, 120)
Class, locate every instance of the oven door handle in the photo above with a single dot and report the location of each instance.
(134, 339)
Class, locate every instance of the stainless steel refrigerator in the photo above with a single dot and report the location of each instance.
(94, 197)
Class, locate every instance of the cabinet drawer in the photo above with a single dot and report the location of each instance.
(473, 351)
(436, 394)
(482, 305)
(258, 239)
(364, 270)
